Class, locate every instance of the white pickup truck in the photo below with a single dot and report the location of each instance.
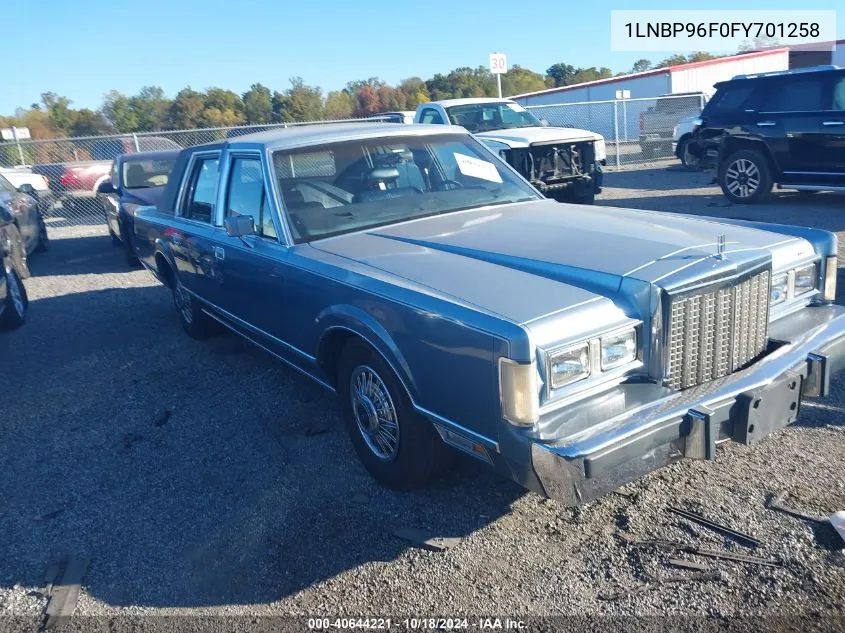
(563, 163)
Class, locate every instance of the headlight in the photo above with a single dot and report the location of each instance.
(618, 349)
(519, 392)
(805, 280)
(569, 365)
(830, 267)
(780, 289)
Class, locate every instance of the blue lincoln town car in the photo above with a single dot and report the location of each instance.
(451, 306)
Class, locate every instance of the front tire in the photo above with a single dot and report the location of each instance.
(397, 447)
(745, 177)
(14, 312)
(194, 321)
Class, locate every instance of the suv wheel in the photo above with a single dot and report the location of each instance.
(745, 176)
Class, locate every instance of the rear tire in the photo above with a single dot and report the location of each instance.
(43, 238)
(128, 248)
(399, 449)
(194, 321)
(14, 312)
(745, 176)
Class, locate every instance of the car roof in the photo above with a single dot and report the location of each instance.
(157, 155)
(325, 133)
(776, 75)
(446, 103)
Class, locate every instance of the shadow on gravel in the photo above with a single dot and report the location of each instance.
(824, 210)
(191, 474)
(79, 256)
(658, 178)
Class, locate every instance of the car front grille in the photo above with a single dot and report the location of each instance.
(717, 331)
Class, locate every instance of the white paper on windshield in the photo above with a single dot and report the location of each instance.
(477, 168)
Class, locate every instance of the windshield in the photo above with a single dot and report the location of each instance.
(142, 174)
(482, 117)
(342, 187)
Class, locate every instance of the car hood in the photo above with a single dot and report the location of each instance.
(149, 195)
(522, 261)
(525, 136)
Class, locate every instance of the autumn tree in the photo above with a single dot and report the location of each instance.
(520, 80)
(415, 91)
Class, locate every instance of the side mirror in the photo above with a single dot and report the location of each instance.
(544, 123)
(106, 187)
(26, 188)
(239, 226)
(6, 217)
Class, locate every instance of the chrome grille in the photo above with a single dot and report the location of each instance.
(717, 331)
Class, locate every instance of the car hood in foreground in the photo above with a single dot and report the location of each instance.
(526, 260)
(525, 136)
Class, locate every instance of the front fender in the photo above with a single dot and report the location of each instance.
(356, 321)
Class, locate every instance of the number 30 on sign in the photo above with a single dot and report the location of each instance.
(498, 63)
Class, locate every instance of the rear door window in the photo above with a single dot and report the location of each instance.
(729, 99)
(201, 192)
(796, 95)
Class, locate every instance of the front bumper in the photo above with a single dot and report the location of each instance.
(638, 427)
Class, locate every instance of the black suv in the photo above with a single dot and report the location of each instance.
(785, 127)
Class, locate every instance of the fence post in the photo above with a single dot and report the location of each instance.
(18, 143)
(135, 139)
(616, 128)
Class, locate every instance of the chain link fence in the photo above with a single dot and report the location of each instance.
(75, 167)
(635, 131)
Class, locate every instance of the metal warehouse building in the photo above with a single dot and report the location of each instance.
(684, 78)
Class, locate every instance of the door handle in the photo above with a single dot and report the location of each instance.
(766, 123)
(833, 122)
(219, 253)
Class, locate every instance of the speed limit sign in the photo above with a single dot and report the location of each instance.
(498, 63)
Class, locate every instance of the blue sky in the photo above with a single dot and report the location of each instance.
(81, 49)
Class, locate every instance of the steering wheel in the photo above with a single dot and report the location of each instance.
(449, 185)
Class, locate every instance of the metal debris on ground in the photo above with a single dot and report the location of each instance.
(777, 503)
(744, 539)
(49, 515)
(688, 564)
(426, 539)
(63, 585)
(692, 549)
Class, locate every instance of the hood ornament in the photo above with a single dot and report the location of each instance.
(720, 246)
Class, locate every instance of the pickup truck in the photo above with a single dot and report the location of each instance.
(451, 307)
(658, 122)
(563, 163)
(75, 183)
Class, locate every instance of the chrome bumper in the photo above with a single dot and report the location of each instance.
(637, 428)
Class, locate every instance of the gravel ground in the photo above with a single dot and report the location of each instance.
(207, 479)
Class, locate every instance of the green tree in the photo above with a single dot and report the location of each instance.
(258, 104)
(338, 105)
(415, 91)
(641, 65)
(58, 109)
(117, 110)
(279, 102)
(150, 107)
(90, 123)
(303, 102)
(561, 74)
(185, 112)
(223, 108)
(672, 60)
(520, 80)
